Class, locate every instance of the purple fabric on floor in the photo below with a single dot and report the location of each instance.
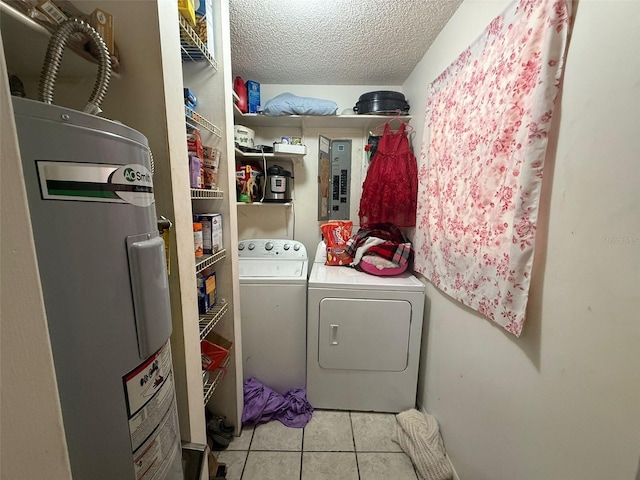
(263, 404)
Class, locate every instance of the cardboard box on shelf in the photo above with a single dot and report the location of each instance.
(195, 165)
(204, 23)
(102, 22)
(211, 164)
(206, 291)
(253, 96)
(211, 231)
(247, 183)
(217, 339)
(194, 143)
(187, 10)
(215, 349)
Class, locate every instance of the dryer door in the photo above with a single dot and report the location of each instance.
(364, 334)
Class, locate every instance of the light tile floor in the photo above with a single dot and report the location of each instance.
(333, 446)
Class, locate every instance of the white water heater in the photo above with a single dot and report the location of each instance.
(104, 280)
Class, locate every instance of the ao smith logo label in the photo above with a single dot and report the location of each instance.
(132, 175)
(96, 182)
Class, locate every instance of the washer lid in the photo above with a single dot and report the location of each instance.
(268, 268)
(323, 276)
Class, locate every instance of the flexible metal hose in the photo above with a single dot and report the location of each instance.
(53, 58)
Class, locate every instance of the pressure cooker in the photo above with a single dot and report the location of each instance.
(277, 188)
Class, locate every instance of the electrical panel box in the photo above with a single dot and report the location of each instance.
(334, 179)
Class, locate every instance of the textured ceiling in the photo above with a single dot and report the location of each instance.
(333, 42)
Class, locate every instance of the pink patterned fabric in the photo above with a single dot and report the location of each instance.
(487, 121)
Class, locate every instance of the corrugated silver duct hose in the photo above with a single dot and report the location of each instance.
(53, 58)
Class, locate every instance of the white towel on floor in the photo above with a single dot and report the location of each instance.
(419, 437)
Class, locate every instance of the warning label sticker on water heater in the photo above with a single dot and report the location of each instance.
(96, 182)
(153, 420)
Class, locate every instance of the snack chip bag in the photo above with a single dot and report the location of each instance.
(336, 233)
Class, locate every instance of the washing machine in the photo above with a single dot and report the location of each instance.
(273, 311)
(363, 338)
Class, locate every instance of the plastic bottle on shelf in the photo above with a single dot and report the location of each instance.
(241, 90)
(197, 239)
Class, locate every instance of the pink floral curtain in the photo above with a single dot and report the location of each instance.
(481, 163)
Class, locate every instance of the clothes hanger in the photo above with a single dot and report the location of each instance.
(379, 130)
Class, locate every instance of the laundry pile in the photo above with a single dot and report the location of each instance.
(263, 404)
(380, 249)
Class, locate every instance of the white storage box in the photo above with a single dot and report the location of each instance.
(244, 136)
(287, 148)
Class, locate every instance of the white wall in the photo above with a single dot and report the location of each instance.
(563, 401)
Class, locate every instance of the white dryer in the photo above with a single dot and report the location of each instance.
(363, 338)
(273, 311)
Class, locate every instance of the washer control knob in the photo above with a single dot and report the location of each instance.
(241, 246)
(251, 246)
(296, 247)
(287, 246)
(268, 246)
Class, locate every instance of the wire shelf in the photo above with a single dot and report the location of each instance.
(193, 48)
(201, 193)
(210, 386)
(196, 120)
(210, 319)
(207, 260)
(259, 156)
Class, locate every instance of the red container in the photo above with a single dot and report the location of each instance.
(214, 351)
(241, 90)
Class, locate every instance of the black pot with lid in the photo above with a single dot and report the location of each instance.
(382, 102)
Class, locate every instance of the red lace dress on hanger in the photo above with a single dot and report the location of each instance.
(390, 190)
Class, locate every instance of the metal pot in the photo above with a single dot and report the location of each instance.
(277, 188)
(382, 102)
